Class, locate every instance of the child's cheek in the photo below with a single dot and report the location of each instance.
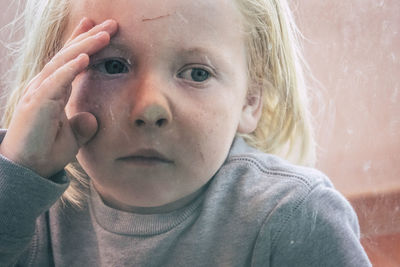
(88, 95)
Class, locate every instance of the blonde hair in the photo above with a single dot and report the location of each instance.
(274, 65)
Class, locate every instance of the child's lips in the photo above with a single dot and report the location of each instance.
(146, 157)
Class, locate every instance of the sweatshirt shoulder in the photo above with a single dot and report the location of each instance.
(293, 206)
(268, 170)
(257, 185)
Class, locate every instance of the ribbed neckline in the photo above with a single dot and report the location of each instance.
(126, 223)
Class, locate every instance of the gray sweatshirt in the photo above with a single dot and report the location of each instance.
(258, 210)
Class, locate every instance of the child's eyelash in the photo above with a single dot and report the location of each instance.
(111, 66)
(196, 73)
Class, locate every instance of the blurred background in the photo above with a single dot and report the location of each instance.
(353, 50)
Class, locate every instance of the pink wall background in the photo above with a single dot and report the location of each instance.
(353, 49)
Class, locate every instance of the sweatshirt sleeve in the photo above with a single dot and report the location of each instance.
(24, 196)
(319, 229)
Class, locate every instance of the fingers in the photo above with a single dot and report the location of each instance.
(88, 42)
(57, 86)
(84, 126)
(40, 136)
(84, 25)
(86, 29)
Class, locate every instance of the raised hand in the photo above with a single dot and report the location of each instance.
(40, 136)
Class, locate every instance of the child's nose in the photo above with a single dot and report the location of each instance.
(153, 115)
(151, 107)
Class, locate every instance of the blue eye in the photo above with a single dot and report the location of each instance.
(112, 66)
(195, 74)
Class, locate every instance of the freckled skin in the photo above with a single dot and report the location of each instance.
(199, 121)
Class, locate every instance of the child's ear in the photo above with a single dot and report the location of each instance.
(251, 112)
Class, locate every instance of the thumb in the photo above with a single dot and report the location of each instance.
(84, 126)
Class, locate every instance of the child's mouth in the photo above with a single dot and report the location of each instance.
(146, 157)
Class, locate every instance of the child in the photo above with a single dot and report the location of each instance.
(158, 101)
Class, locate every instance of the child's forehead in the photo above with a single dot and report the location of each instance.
(145, 10)
(173, 15)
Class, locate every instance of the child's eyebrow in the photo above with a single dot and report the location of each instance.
(206, 56)
(204, 53)
(195, 50)
(122, 49)
(118, 46)
(184, 51)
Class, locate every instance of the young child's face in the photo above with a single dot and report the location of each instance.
(172, 82)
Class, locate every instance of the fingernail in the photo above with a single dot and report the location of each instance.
(100, 34)
(81, 56)
(108, 22)
(109, 25)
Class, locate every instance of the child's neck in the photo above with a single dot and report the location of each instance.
(169, 207)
